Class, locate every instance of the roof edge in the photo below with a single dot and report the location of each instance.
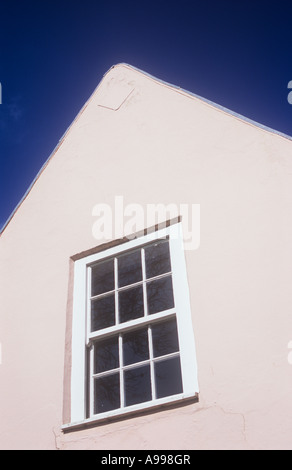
(205, 100)
(62, 138)
(175, 87)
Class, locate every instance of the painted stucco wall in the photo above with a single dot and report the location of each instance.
(153, 143)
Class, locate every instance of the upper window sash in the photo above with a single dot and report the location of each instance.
(143, 283)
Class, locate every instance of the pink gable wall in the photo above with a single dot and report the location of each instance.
(152, 143)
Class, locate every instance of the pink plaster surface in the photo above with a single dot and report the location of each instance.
(153, 143)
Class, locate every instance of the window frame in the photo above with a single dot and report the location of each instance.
(81, 335)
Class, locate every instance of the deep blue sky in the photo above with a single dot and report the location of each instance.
(54, 53)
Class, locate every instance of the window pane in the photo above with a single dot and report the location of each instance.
(131, 304)
(160, 295)
(103, 312)
(168, 379)
(137, 385)
(135, 346)
(106, 393)
(129, 269)
(102, 277)
(106, 355)
(165, 338)
(157, 259)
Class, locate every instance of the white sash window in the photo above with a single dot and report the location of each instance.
(132, 342)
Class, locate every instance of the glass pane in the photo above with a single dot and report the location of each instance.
(102, 277)
(160, 295)
(165, 338)
(129, 269)
(106, 393)
(106, 355)
(168, 379)
(103, 312)
(137, 385)
(131, 304)
(157, 259)
(135, 346)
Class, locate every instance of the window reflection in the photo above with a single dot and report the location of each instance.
(165, 338)
(131, 304)
(135, 346)
(106, 355)
(129, 269)
(107, 393)
(160, 295)
(168, 380)
(103, 312)
(137, 385)
(157, 259)
(102, 277)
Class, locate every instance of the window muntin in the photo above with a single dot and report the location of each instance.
(119, 286)
(147, 361)
(144, 362)
(102, 405)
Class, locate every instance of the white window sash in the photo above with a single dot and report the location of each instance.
(81, 334)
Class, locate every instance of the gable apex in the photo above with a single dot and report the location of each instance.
(114, 89)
